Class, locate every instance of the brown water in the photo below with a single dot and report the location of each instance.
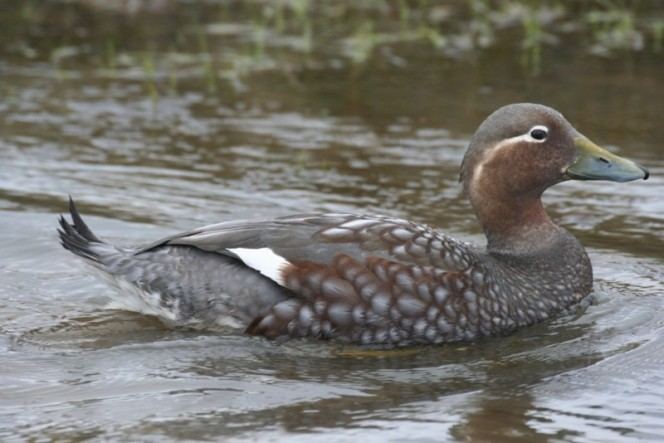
(161, 116)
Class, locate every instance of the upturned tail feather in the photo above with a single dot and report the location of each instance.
(77, 236)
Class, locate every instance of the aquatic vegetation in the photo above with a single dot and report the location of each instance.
(360, 46)
(532, 42)
(481, 26)
(149, 76)
(233, 40)
(111, 57)
(657, 30)
(614, 29)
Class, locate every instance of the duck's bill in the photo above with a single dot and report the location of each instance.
(595, 163)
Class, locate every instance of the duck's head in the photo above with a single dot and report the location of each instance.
(522, 149)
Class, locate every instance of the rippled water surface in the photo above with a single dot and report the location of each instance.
(160, 116)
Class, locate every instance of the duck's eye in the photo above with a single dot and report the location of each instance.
(539, 133)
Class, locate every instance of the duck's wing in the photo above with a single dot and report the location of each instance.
(361, 279)
(319, 238)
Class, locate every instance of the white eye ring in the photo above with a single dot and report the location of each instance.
(538, 134)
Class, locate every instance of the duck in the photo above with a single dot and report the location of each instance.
(378, 280)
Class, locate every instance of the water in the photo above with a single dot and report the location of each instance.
(162, 116)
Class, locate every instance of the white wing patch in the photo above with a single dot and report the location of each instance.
(263, 260)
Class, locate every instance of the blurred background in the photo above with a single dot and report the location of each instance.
(162, 115)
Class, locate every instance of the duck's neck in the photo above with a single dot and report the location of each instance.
(514, 224)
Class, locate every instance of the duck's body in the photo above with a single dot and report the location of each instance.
(378, 280)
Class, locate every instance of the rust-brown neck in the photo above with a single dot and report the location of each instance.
(513, 223)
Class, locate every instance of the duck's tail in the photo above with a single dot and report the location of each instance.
(179, 284)
(78, 238)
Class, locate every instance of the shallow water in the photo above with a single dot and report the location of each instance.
(299, 130)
